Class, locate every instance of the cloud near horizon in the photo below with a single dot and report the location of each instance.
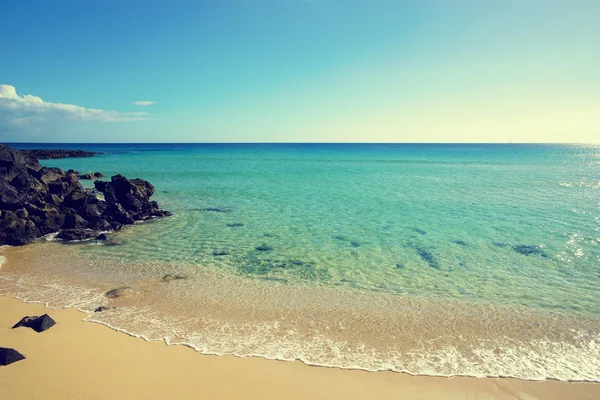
(24, 112)
(143, 103)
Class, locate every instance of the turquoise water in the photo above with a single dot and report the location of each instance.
(510, 230)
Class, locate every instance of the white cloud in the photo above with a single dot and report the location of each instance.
(31, 112)
(143, 103)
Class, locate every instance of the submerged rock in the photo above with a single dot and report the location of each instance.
(218, 209)
(428, 257)
(38, 324)
(102, 309)
(173, 277)
(235, 225)
(355, 244)
(528, 250)
(400, 266)
(264, 248)
(9, 356)
(459, 242)
(220, 253)
(420, 231)
(119, 292)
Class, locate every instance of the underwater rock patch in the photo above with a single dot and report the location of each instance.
(263, 248)
(460, 242)
(528, 250)
(235, 224)
(420, 231)
(428, 257)
(220, 253)
(218, 209)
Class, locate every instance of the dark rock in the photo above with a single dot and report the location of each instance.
(235, 224)
(38, 324)
(220, 253)
(528, 250)
(102, 309)
(355, 244)
(102, 237)
(16, 231)
(400, 266)
(500, 244)
(86, 177)
(218, 209)
(264, 248)
(45, 154)
(9, 356)
(420, 231)
(22, 213)
(76, 234)
(173, 277)
(428, 257)
(74, 221)
(459, 242)
(98, 175)
(36, 200)
(119, 292)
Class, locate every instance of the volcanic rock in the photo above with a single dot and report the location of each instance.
(38, 324)
(9, 356)
(36, 200)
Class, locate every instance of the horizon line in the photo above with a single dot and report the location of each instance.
(374, 143)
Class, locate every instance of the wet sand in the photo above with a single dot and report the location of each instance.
(81, 360)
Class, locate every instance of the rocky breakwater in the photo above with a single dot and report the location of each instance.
(36, 201)
(47, 154)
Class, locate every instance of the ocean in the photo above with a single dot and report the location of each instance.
(434, 259)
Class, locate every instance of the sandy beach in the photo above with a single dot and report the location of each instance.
(80, 360)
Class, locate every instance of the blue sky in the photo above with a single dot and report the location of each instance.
(300, 70)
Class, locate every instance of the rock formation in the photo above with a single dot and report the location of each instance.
(36, 200)
(46, 154)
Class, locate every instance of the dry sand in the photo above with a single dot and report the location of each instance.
(80, 360)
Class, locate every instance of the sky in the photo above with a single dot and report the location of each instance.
(300, 71)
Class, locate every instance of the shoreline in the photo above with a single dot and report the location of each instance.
(76, 360)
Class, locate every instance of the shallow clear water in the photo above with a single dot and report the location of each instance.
(435, 259)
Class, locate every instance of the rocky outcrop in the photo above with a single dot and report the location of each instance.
(36, 200)
(38, 324)
(45, 154)
(9, 356)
